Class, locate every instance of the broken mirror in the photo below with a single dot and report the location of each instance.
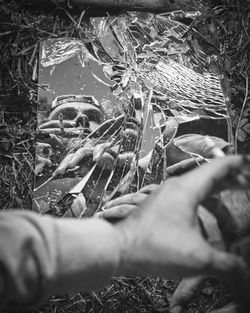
(129, 105)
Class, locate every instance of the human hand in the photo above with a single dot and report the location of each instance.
(162, 236)
(121, 207)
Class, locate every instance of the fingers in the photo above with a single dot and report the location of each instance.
(185, 293)
(233, 270)
(225, 264)
(204, 259)
(232, 308)
(210, 177)
(121, 207)
(239, 280)
(148, 189)
(132, 198)
(184, 166)
(116, 212)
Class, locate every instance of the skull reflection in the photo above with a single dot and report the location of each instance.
(73, 116)
(82, 140)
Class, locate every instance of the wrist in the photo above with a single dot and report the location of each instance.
(127, 265)
(89, 253)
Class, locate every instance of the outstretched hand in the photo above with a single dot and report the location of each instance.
(162, 236)
(121, 207)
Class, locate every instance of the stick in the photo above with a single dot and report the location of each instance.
(156, 5)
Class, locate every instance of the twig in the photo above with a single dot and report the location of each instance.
(33, 54)
(34, 74)
(25, 50)
(80, 19)
(240, 116)
(69, 16)
(43, 184)
(5, 33)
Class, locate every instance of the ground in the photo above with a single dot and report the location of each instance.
(223, 27)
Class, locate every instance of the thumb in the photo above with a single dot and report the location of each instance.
(232, 308)
(225, 265)
(216, 176)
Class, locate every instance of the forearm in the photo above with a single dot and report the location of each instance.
(88, 254)
(41, 255)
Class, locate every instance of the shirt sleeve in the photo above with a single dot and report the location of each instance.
(42, 255)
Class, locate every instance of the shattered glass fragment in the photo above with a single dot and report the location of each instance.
(122, 107)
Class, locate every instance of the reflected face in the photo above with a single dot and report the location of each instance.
(82, 114)
(73, 113)
(108, 155)
(72, 118)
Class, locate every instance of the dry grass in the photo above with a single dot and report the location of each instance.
(132, 294)
(223, 27)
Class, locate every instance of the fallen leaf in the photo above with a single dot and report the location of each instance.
(195, 143)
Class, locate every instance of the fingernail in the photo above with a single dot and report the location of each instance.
(176, 309)
(108, 204)
(98, 215)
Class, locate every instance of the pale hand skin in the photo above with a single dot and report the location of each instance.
(162, 236)
(121, 207)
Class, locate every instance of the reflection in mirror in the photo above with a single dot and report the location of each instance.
(129, 106)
